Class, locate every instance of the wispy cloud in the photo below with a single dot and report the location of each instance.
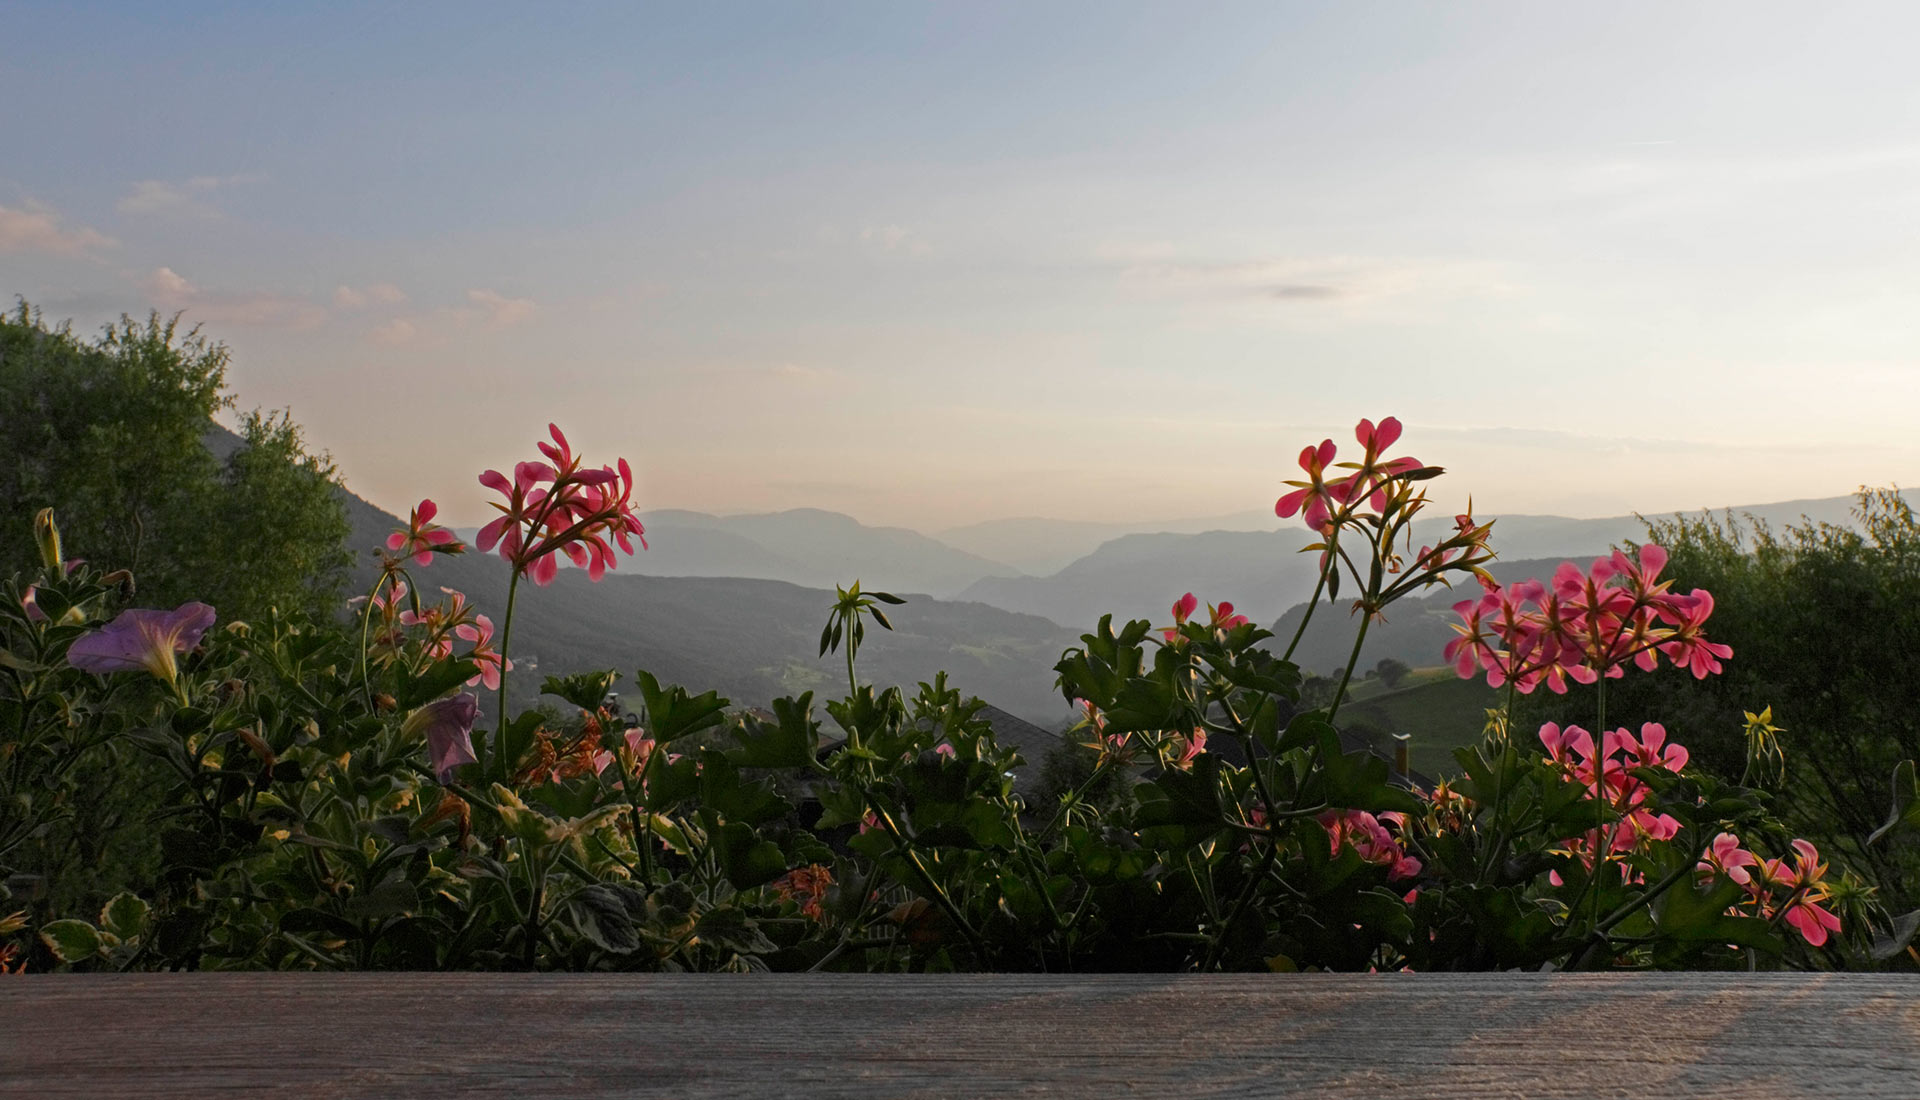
(178, 198)
(487, 309)
(894, 239)
(35, 227)
(501, 311)
(1343, 281)
(376, 294)
(171, 290)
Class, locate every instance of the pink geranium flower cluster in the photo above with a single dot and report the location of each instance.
(1609, 774)
(1766, 880)
(1584, 625)
(1365, 834)
(1221, 617)
(561, 506)
(1317, 500)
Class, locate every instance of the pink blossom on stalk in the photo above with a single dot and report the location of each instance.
(422, 539)
(1370, 839)
(1186, 747)
(574, 514)
(1812, 922)
(492, 664)
(1223, 617)
(1313, 495)
(1727, 857)
(1647, 752)
(1373, 474)
(1184, 607)
(142, 639)
(442, 622)
(1584, 625)
(448, 726)
(27, 604)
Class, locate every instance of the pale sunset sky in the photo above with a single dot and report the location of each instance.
(933, 264)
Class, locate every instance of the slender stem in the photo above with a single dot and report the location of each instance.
(1353, 658)
(1319, 586)
(1239, 907)
(366, 622)
(1602, 842)
(1066, 804)
(853, 687)
(1490, 856)
(499, 764)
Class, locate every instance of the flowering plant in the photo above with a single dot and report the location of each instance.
(320, 801)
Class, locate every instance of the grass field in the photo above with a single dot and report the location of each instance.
(1440, 710)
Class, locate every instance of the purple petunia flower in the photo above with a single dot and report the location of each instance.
(448, 724)
(142, 639)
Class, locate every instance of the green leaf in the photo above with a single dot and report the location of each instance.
(586, 690)
(1684, 913)
(789, 742)
(440, 678)
(605, 914)
(732, 930)
(125, 916)
(673, 714)
(390, 898)
(71, 940)
(748, 860)
(1897, 938)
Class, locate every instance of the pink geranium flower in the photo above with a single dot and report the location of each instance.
(1313, 498)
(1223, 617)
(1727, 857)
(492, 664)
(422, 539)
(142, 639)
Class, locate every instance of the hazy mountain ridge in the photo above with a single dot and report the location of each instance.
(750, 639)
(1041, 547)
(1263, 573)
(804, 546)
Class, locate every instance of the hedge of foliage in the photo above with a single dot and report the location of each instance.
(178, 791)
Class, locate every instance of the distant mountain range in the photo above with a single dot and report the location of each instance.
(807, 547)
(1132, 573)
(750, 639)
(1042, 547)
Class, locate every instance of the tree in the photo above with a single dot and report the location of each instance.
(114, 433)
(1391, 671)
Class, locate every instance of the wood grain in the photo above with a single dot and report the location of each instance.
(1393, 1036)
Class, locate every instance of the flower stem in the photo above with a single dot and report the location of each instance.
(366, 621)
(506, 637)
(1353, 658)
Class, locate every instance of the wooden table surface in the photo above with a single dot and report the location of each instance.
(446, 1036)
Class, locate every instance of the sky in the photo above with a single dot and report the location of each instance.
(936, 264)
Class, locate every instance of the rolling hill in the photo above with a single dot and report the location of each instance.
(750, 639)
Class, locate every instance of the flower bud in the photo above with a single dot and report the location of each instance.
(121, 579)
(384, 703)
(47, 537)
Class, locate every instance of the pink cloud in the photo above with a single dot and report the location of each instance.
(37, 228)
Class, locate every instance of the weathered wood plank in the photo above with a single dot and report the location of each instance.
(1430, 1037)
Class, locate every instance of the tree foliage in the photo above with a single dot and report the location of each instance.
(114, 434)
